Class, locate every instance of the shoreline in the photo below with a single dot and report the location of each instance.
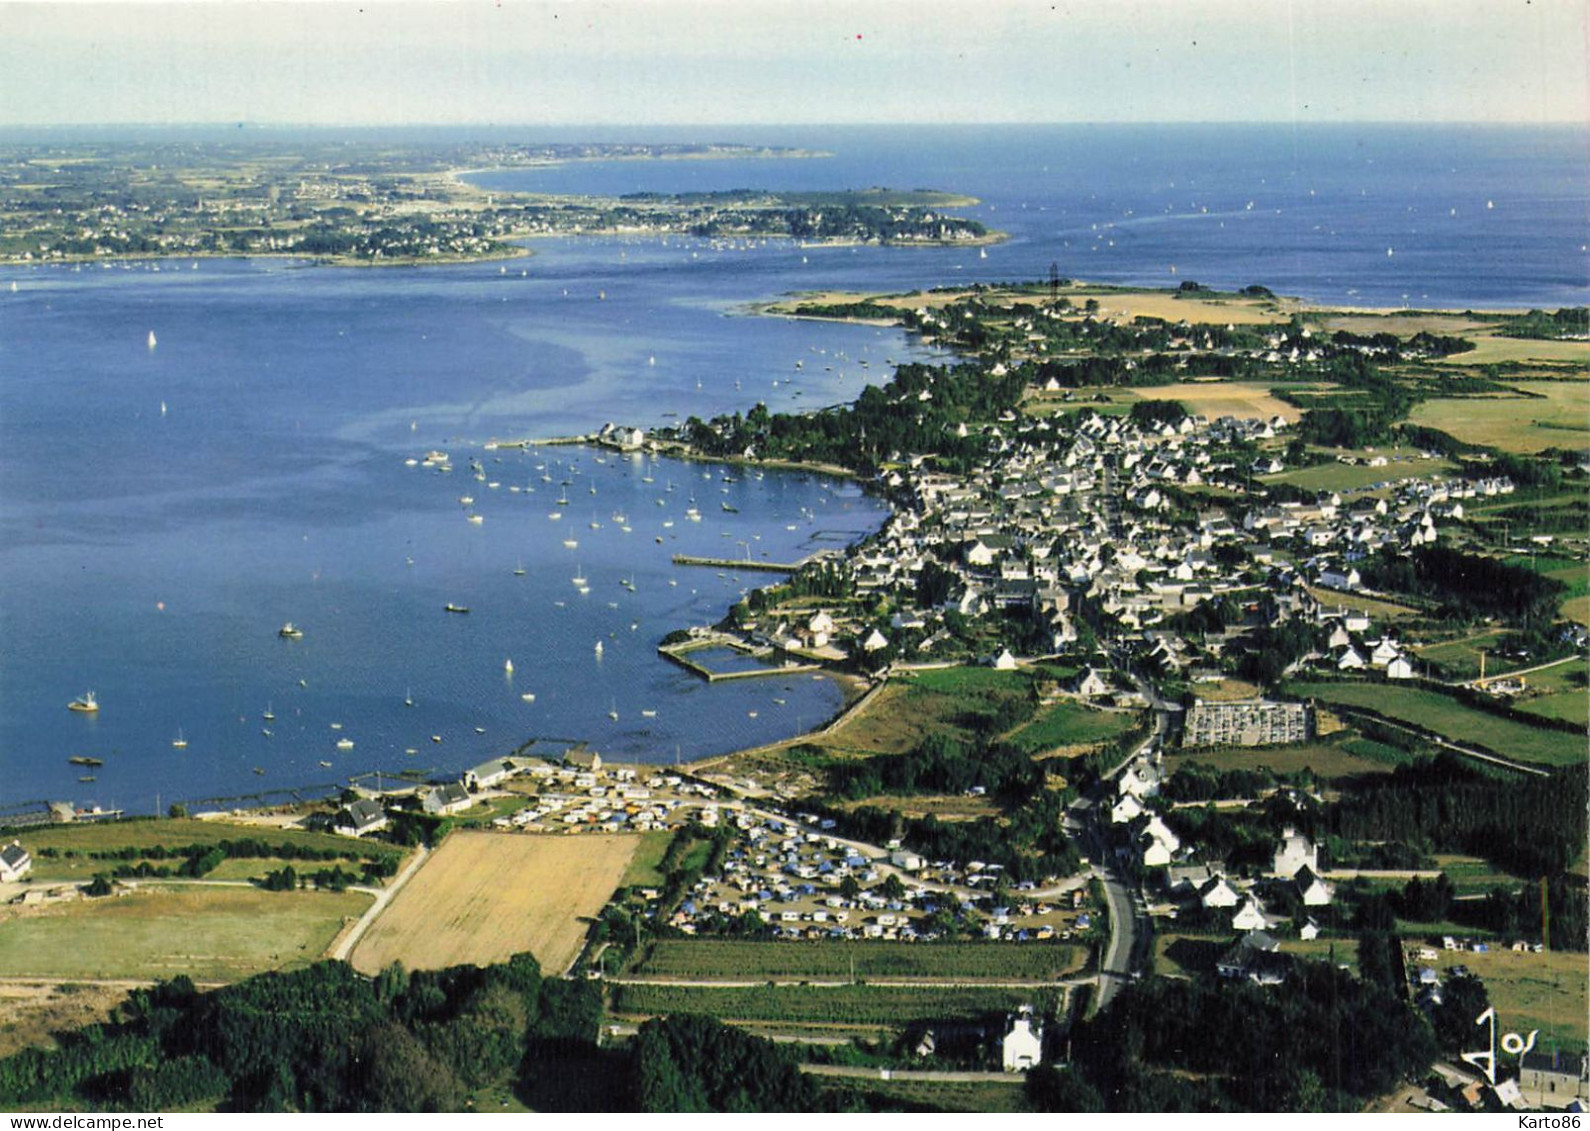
(682, 451)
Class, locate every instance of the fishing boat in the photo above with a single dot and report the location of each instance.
(290, 631)
(84, 760)
(325, 764)
(452, 608)
(86, 703)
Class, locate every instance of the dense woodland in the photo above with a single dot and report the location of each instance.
(319, 1039)
(1532, 828)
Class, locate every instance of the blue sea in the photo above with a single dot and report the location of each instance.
(166, 509)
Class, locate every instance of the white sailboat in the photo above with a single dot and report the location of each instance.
(179, 742)
(507, 666)
(151, 339)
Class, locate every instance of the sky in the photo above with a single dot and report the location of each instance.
(711, 62)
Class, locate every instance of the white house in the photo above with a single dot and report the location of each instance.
(1385, 651)
(1308, 931)
(1313, 891)
(1004, 662)
(1127, 809)
(875, 640)
(1399, 668)
(359, 818)
(15, 863)
(446, 799)
(1022, 1046)
(1349, 660)
(1218, 893)
(1248, 917)
(1091, 684)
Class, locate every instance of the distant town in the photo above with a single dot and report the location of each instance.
(371, 205)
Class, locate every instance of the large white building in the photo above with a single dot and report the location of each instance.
(1022, 1046)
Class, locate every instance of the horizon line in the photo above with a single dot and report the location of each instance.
(816, 124)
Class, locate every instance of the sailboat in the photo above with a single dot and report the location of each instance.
(518, 570)
(507, 666)
(179, 742)
(579, 576)
(613, 714)
(151, 339)
(269, 715)
(408, 698)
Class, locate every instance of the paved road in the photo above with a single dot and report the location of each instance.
(912, 1074)
(917, 983)
(383, 897)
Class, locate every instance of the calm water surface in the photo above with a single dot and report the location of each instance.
(164, 510)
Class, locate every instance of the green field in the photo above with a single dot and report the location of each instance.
(1471, 875)
(1548, 991)
(1069, 724)
(1336, 476)
(1192, 956)
(1380, 610)
(210, 933)
(1327, 760)
(821, 1005)
(110, 835)
(642, 870)
(60, 851)
(1447, 717)
(1556, 416)
(730, 959)
(1377, 751)
(947, 701)
(1461, 657)
(1558, 692)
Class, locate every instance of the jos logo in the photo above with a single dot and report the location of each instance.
(1512, 1044)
